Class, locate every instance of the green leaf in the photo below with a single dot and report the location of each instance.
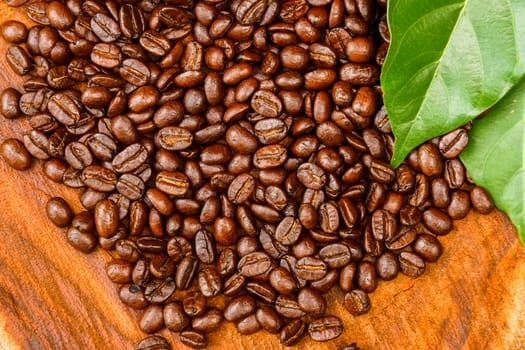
(448, 61)
(495, 155)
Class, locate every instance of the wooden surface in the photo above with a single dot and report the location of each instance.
(53, 297)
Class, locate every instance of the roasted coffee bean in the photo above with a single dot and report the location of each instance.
(119, 271)
(85, 242)
(266, 103)
(193, 339)
(366, 276)
(99, 178)
(151, 320)
(185, 272)
(173, 183)
(270, 130)
(209, 321)
(481, 200)
(102, 146)
(225, 231)
(132, 21)
(360, 49)
(254, 264)
(78, 155)
(335, 255)
(204, 246)
(310, 268)
(59, 212)
(130, 158)
(174, 317)
(311, 302)
(357, 302)
(292, 332)
(174, 138)
(311, 176)
(105, 27)
(106, 55)
(133, 296)
(268, 318)
(270, 156)
(288, 231)
(453, 143)
(428, 247)
(459, 205)
(13, 31)
(154, 342)
(319, 79)
(429, 159)
(384, 225)
(439, 193)
(106, 218)
(18, 59)
(325, 328)
(15, 154)
(9, 103)
(437, 221)
(328, 217)
(248, 325)
(135, 72)
(239, 308)
(158, 291)
(403, 237)
(346, 277)
(411, 264)
(387, 266)
(454, 173)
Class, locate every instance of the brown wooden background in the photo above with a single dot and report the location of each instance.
(53, 297)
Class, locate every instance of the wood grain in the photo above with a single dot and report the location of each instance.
(53, 297)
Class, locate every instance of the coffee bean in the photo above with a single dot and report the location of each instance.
(13, 31)
(59, 212)
(173, 183)
(481, 200)
(266, 103)
(335, 255)
(254, 264)
(357, 302)
(99, 178)
(292, 332)
(239, 308)
(325, 328)
(437, 221)
(311, 176)
(453, 143)
(193, 339)
(174, 317)
(18, 59)
(209, 321)
(151, 320)
(105, 27)
(310, 268)
(15, 154)
(428, 247)
(106, 218)
(154, 342)
(411, 264)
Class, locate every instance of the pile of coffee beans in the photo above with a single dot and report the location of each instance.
(230, 149)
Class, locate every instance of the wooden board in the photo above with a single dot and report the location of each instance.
(53, 297)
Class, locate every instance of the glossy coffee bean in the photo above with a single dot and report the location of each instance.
(59, 212)
(325, 328)
(15, 154)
